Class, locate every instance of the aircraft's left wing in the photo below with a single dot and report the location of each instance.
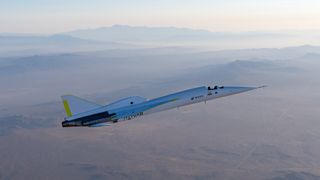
(100, 125)
(143, 108)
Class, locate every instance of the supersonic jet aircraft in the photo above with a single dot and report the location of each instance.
(84, 113)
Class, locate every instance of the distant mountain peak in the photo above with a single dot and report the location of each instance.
(120, 26)
(124, 26)
(136, 34)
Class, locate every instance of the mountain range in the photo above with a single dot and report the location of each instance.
(124, 36)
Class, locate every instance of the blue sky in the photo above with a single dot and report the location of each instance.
(51, 16)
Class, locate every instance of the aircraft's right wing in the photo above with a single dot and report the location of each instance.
(126, 102)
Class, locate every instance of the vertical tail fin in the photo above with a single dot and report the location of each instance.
(75, 105)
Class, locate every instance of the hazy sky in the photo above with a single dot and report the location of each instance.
(50, 16)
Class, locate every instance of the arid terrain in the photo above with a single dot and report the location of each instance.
(271, 133)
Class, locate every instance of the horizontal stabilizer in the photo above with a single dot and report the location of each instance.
(75, 105)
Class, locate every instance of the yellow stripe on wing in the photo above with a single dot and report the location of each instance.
(67, 108)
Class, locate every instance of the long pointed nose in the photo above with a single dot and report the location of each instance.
(236, 90)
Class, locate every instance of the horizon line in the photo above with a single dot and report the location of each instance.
(155, 27)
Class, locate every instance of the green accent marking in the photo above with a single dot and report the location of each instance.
(67, 108)
(172, 100)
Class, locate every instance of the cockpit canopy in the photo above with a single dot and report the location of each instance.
(215, 87)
